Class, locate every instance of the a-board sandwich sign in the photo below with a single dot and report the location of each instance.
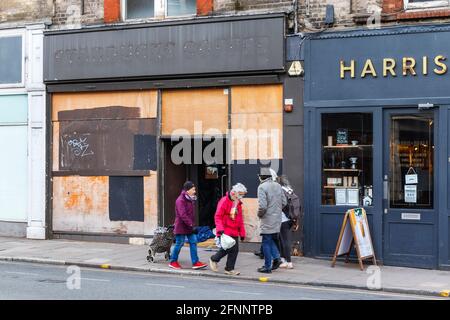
(355, 232)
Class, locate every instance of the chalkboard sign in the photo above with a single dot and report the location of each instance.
(355, 231)
(341, 136)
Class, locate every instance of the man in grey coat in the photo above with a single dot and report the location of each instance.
(271, 201)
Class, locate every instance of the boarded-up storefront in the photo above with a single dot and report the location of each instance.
(104, 162)
(138, 112)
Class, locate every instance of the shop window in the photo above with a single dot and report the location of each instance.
(11, 60)
(425, 4)
(142, 9)
(411, 170)
(181, 7)
(347, 159)
(139, 9)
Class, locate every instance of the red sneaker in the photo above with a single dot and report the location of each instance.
(199, 265)
(175, 265)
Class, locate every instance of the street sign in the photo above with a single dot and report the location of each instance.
(295, 69)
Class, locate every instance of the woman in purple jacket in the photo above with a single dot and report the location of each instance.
(184, 227)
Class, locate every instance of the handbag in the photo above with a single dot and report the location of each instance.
(226, 242)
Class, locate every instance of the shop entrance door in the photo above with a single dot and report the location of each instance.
(202, 162)
(410, 189)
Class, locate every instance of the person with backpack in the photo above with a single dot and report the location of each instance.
(230, 221)
(184, 227)
(289, 222)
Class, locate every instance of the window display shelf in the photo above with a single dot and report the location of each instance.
(347, 158)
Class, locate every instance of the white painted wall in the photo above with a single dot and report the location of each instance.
(36, 132)
(22, 187)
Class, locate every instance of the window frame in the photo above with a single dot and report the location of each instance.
(166, 11)
(22, 34)
(160, 11)
(426, 4)
(320, 171)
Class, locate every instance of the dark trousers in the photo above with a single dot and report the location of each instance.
(286, 240)
(232, 254)
(270, 249)
(277, 243)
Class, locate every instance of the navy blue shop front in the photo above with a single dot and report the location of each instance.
(377, 115)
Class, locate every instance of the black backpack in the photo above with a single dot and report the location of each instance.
(293, 207)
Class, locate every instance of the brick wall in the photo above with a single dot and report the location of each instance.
(311, 13)
(361, 12)
(232, 6)
(111, 11)
(25, 10)
(74, 13)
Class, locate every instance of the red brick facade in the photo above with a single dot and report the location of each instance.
(392, 6)
(423, 14)
(205, 7)
(111, 11)
(394, 9)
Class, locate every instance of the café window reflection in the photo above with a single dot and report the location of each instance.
(347, 159)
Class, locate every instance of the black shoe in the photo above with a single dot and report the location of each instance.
(276, 264)
(264, 270)
(259, 254)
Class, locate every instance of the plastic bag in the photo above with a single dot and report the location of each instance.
(226, 242)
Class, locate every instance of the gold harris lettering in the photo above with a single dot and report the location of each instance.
(392, 68)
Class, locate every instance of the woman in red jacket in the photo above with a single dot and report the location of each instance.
(229, 220)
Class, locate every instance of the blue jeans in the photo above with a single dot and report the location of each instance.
(179, 243)
(270, 249)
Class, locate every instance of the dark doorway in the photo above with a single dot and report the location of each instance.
(204, 163)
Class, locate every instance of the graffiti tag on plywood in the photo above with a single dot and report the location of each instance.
(80, 146)
(76, 148)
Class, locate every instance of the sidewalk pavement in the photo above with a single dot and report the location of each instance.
(307, 271)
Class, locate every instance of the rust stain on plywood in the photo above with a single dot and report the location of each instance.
(81, 193)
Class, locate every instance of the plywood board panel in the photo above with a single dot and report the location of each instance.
(251, 220)
(126, 199)
(80, 204)
(182, 108)
(258, 98)
(145, 101)
(75, 199)
(151, 203)
(257, 136)
(107, 145)
(55, 146)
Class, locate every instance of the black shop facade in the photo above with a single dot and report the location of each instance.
(136, 110)
(377, 116)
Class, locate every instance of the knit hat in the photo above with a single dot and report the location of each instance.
(188, 185)
(239, 188)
